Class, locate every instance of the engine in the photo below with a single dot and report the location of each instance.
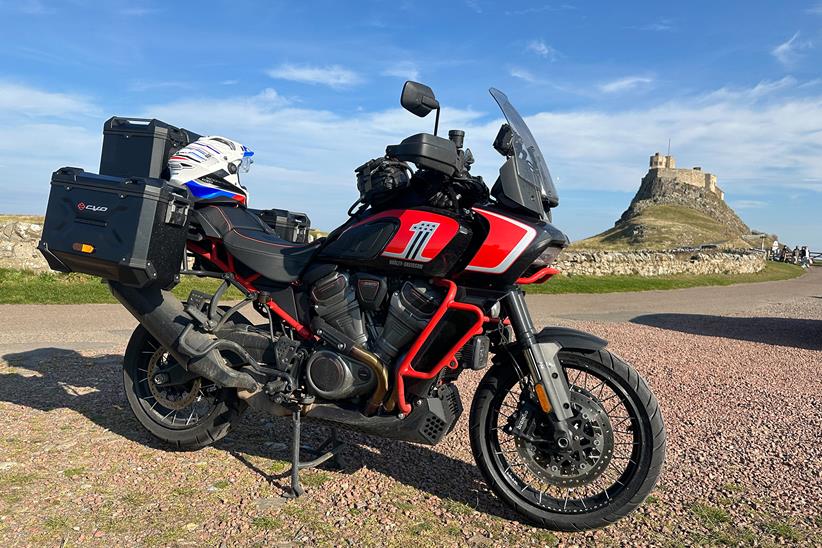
(371, 314)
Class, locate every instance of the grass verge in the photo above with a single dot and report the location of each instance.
(26, 287)
(614, 284)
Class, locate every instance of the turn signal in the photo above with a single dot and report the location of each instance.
(83, 248)
(543, 399)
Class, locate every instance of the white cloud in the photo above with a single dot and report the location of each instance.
(523, 74)
(815, 10)
(405, 70)
(474, 5)
(753, 142)
(542, 49)
(143, 85)
(20, 99)
(759, 139)
(31, 7)
(789, 52)
(138, 11)
(333, 76)
(624, 84)
(659, 25)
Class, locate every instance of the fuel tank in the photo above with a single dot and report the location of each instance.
(419, 241)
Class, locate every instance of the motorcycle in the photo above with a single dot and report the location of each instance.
(368, 328)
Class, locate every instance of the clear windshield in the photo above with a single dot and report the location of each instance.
(528, 159)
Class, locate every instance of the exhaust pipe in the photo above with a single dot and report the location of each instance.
(162, 314)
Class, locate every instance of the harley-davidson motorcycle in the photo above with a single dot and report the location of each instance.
(368, 328)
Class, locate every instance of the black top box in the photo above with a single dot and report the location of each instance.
(131, 230)
(140, 147)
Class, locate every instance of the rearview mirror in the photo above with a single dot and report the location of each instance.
(418, 99)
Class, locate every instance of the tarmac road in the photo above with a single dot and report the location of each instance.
(99, 326)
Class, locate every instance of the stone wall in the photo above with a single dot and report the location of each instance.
(659, 263)
(18, 246)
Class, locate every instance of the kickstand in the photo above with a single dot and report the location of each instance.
(326, 451)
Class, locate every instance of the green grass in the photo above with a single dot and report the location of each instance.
(266, 522)
(710, 516)
(74, 472)
(37, 219)
(665, 227)
(26, 287)
(613, 284)
(784, 530)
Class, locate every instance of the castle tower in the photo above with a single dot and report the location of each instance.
(659, 161)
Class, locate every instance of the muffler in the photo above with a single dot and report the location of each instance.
(162, 314)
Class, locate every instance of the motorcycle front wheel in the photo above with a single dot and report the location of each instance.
(611, 464)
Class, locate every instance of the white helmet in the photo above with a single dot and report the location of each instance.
(210, 168)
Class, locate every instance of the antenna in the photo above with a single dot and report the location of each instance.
(669, 146)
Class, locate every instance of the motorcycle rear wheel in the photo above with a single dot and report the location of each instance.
(625, 448)
(200, 415)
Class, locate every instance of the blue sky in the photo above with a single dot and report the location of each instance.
(313, 88)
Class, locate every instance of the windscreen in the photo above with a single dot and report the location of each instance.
(528, 160)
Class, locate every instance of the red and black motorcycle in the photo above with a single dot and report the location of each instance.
(369, 327)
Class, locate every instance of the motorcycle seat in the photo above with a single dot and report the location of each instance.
(255, 244)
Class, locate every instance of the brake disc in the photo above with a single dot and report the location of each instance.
(171, 397)
(588, 454)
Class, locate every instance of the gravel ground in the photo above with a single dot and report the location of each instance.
(742, 401)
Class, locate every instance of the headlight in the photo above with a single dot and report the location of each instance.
(548, 256)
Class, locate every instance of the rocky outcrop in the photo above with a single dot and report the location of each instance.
(18, 246)
(656, 190)
(659, 263)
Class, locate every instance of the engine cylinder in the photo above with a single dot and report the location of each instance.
(335, 301)
(410, 310)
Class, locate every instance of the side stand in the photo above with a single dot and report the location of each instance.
(327, 450)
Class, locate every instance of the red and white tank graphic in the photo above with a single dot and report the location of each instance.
(421, 237)
(507, 239)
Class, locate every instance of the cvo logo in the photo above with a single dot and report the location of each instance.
(82, 206)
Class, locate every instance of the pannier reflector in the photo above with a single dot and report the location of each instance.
(83, 248)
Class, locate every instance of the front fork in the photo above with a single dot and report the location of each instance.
(543, 364)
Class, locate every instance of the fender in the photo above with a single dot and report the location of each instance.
(572, 339)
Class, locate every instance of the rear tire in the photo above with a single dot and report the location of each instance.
(645, 430)
(224, 411)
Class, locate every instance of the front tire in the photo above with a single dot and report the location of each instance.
(619, 420)
(189, 417)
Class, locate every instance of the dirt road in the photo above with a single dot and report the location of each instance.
(736, 371)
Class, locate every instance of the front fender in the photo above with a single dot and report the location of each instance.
(571, 339)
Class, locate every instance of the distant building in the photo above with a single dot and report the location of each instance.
(665, 167)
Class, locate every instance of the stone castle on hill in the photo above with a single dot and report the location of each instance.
(664, 167)
(666, 184)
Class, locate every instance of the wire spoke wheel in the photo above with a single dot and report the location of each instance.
(186, 415)
(181, 406)
(599, 473)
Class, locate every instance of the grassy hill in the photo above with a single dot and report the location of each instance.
(661, 226)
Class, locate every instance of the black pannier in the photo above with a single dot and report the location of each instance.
(289, 225)
(131, 230)
(140, 147)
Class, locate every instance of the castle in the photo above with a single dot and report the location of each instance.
(664, 167)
